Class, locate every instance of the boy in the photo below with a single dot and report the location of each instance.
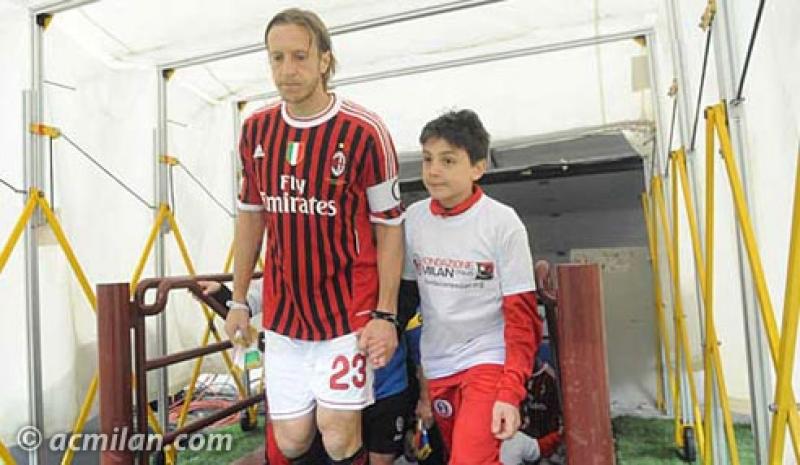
(470, 257)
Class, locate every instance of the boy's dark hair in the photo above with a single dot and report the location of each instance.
(315, 27)
(462, 129)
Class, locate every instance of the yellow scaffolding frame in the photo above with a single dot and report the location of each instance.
(5, 455)
(164, 214)
(682, 341)
(782, 349)
(791, 312)
(717, 118)
(712, 360)
(36, 199)
(662, 342)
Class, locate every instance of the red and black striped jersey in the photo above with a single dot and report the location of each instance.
(321, 183)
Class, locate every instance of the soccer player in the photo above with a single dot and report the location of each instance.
(320, 177)
(471, 259)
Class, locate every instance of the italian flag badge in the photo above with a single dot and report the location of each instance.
(294, 153)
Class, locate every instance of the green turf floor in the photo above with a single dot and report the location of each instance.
(649, 441)
(639, 441)
(243, 443)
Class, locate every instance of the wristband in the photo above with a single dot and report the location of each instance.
(387, 316)
(234, 305)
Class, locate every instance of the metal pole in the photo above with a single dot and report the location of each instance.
(162, 192)
(235, 162)
(727, 65)
(356, 26)
(684, 91)
(477, 59)
(59, 6)
(34, 349)
(658, 142)
(33, 179)
(655, 94)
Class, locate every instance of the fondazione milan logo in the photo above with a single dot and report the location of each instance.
(443, 408)
(485, 270)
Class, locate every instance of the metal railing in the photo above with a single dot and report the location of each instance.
(122, 344)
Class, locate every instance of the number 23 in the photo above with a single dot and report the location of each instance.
(342, 366)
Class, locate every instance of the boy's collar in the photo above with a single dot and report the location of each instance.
(439, 209)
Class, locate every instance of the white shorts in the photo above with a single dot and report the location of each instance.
(301, 374)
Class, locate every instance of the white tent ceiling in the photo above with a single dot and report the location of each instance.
(150, 32)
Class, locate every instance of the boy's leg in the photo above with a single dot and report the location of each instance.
(445, 396)
(342, 385)
(383, 428)
(473, 441)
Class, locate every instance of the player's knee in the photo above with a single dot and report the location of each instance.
(341, 434)
(292, 448)
(293, 441)
(341, 442)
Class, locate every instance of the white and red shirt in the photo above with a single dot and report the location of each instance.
(321, 182)
(474, 271)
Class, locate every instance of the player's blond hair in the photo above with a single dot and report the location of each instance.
(315, 27)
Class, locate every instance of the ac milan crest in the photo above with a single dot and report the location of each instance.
(339, 164)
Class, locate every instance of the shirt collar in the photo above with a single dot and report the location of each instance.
(439, 209)
(315, 120)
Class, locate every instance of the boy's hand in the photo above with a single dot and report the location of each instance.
(505, 420)
(424, 412)
(379, 339)
(209, 287)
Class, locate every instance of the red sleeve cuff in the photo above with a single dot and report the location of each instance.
(511, 395)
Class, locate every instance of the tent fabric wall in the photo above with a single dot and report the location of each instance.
(111, 115)
(13, 61)
(770, 129)
(772, 117)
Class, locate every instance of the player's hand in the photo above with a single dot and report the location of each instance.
(238, 320)
(424, 412)
(379, 340)
(505, 420)
(209, 287)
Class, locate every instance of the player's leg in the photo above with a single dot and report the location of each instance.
(290, 401)
(341, 435)
(273, 453)
(384, 424)
(316, 453)
(473, 441)
(342, 385)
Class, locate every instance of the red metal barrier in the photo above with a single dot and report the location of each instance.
(582, 361)
(113, 340)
